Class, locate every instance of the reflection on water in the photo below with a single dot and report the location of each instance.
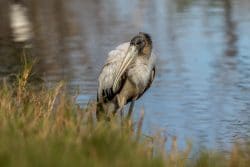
(202, 87)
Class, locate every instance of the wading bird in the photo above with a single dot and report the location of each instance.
(128, 72)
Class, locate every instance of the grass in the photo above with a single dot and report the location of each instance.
(45, 127)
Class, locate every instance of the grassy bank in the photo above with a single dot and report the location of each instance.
(46, 128)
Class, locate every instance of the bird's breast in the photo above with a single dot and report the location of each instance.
(139, 75)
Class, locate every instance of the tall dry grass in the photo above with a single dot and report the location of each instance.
(45, 127)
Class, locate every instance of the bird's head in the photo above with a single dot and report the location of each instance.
(143, 43)
(140, 45)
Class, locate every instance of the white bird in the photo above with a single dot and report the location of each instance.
(128, 72)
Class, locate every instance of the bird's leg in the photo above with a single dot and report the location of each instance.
(100, 113)
(121, 113)
(120, 110)
(121, 100)
(130, 110)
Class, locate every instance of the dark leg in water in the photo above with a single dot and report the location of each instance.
(101, 113)
(119, 111)
(131, 108)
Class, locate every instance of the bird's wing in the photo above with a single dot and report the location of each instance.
(109, 70)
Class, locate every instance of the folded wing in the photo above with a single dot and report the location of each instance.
(107, 76)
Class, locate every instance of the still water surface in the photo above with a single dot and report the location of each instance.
(202, 86)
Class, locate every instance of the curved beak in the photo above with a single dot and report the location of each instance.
(130, 55)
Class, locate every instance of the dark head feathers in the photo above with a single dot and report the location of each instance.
(146, 36)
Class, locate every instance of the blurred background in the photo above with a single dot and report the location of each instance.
(202, 86)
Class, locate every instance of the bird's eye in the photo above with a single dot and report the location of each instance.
(138, 42)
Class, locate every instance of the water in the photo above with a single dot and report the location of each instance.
(202, 86)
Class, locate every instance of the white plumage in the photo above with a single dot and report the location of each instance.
(134, 72)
